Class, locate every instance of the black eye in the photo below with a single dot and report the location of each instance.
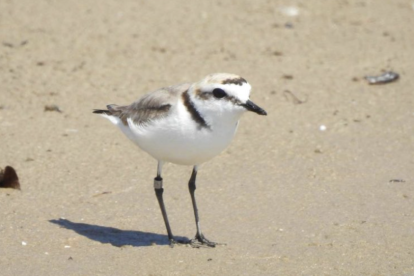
(219, 93)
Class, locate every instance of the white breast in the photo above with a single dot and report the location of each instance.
(178, 139)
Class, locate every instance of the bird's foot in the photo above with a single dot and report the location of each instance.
(201, 241)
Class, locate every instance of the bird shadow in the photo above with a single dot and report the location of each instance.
(114, 236)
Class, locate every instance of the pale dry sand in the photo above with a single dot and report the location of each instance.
(286, 197)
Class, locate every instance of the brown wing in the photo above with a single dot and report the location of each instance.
(150, 107)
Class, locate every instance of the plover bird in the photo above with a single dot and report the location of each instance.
(185, 124)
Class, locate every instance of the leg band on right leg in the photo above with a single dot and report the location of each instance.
(158, 183)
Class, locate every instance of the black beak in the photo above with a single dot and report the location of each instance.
(251, 106)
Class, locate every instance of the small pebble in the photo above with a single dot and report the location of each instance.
(397, 181)
(322, 128)
(9, 178)
(290, 11)
(289, 25)
(52, 107)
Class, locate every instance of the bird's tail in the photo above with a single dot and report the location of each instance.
(112, 110)
(113, 113)
(102, 111)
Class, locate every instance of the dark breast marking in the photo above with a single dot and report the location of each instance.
(195, 115)
(237, 81)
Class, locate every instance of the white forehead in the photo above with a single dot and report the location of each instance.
(233, 85)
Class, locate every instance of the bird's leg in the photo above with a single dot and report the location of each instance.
(159, 190)
(199, 238)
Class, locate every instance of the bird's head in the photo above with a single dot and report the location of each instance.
(224, 94)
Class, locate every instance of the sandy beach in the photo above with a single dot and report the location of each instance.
(323, 185)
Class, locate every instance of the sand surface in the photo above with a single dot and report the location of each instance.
(287, 197)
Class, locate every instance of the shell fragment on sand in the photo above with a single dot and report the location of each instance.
(386, 77)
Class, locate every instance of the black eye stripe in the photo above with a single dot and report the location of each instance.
(206, 95)
(219, 93)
